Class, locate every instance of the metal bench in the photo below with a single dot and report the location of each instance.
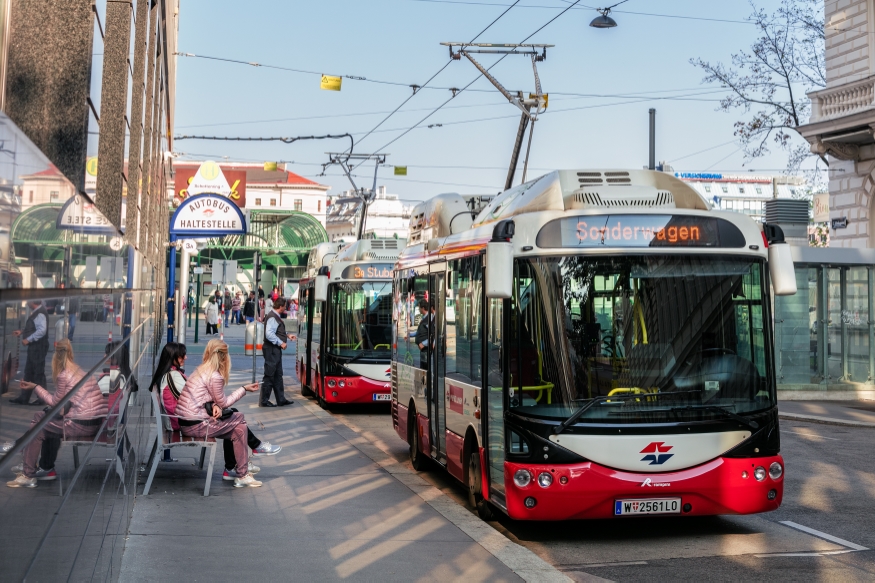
(162, 439)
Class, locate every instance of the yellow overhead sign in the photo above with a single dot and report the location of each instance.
(400, 170)
(330, 83)
(269, 166)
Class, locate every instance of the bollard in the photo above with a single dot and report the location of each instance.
(253, 328)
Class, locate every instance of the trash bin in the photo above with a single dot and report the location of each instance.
(253, 329)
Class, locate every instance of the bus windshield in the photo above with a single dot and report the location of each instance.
(360, 319)
(673, 338)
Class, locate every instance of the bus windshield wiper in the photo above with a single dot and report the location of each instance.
(717, 409)
(577, 414)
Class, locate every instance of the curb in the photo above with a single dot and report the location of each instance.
(825, 420)
(523, 562)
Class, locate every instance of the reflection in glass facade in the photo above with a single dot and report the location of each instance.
(81, 300)
(825, 334)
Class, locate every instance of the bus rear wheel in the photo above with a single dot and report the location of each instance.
(475, 486)
(417, 458)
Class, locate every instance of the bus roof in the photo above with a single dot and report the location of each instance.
(558, 194)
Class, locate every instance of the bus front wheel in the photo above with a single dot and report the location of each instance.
(475, 486)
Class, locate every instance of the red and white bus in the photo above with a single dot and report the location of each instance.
(601, 346)
(345, 324)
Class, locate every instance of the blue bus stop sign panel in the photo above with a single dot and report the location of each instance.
(207, 215)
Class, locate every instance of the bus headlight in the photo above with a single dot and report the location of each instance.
(522, 478)
(545, 479)
(341, 384)
(331, 383)
(759, 473)
(775, 471)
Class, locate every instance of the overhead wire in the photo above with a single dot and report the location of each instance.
(457, 93)
(441, 70)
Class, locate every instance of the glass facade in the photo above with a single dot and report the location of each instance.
(81, 303)
(825, 334)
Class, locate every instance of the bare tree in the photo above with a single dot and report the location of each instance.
(768, 82)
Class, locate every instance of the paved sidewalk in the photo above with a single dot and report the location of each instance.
(326, 512)
(853, 413)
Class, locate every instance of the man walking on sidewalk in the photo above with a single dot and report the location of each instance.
(275, 338)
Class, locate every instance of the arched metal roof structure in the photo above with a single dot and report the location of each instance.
(38, 225)
(284, 238)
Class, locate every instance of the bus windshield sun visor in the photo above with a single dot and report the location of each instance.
(639, 231)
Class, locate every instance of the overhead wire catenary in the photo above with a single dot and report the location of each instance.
(456, 93)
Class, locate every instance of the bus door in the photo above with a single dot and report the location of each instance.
(308, 334)
(437, 363)
(494, 382)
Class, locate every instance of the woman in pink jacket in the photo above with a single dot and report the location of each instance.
(207, 385)
(169, 379)
(86, 413)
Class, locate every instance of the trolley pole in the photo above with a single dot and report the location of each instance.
(256, 276)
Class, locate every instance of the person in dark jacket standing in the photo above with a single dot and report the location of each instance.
(249, 307)
(275, 338)
(35, 337)
(72, 314)
(424, 332)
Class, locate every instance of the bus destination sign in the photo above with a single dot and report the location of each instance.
(631, 231)
(368, 271)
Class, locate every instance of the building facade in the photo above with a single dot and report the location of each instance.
(743, 193)
(388, 217)
(843, 118)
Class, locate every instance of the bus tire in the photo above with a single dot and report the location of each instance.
(417, 458)
(305, 390)
(320, 389)
(474, 477)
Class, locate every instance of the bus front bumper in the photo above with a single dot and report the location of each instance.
(591, 490)
(357, 390)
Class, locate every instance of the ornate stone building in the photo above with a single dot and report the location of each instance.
(843, 120)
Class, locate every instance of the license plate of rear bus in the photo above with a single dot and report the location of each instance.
(649, 506)
(382, 397)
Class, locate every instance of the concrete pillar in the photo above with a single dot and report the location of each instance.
(113, 110)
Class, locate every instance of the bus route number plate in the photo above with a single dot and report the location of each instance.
(650, 506)
(382, 397)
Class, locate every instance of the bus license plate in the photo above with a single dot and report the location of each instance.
(382, 397)
(651, 506)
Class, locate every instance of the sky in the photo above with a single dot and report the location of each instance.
(645, 59)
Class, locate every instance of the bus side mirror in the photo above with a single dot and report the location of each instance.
(499, 270)
(781, 269)
(320, 291)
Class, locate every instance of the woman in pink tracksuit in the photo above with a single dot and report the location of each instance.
(207, 385)
(87, 411)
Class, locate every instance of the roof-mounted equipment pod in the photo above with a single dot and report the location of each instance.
(781, 268)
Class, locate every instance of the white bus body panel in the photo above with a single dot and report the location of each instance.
(651, 453)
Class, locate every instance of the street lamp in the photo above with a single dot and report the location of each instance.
(603, 21)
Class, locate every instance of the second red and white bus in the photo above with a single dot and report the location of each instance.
(345, 324)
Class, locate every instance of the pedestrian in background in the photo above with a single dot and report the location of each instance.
(235, 309)
(211, 315)
(107, 306)
(35, 337)
(72, 315)
(249, 307)
(226, 306)
(275, 338)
